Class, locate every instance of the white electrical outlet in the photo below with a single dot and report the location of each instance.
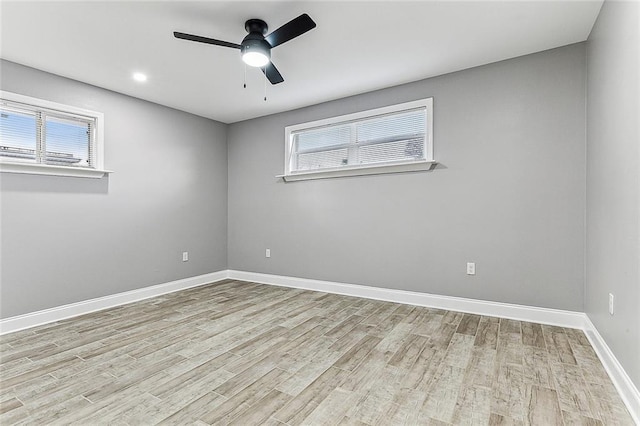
(610, 304)
(267, 253)
(471, 268)
(185, 256)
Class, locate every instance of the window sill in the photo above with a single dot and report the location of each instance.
(359, 171)
(45, 169)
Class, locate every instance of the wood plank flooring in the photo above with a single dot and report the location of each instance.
(247, 354)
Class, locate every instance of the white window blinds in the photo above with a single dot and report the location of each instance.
(68, 141)
(377, 139)
(37, 135)
(18, 134)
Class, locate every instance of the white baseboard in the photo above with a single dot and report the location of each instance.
(481, 307)
(627, 390)
(519, 312)
(20, 322)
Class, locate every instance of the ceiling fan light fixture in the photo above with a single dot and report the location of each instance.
(255, 52)
(255, 58)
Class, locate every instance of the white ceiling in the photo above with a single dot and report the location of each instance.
(357, 46)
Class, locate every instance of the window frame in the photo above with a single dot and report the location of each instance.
(57, 110)
(364, 169)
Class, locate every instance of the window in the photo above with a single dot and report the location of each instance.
(385, 140)
(42, 137)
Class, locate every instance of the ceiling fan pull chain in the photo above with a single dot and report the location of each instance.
(265, 85)
(245, 76)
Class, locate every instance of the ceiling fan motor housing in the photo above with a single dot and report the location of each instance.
(256, 26)
(253, 44)
(254, 41)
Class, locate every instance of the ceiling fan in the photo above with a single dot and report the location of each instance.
(256, 46)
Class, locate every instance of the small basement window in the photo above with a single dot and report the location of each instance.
(393, 139)
(42, 137)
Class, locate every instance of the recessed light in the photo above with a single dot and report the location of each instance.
(138, 76)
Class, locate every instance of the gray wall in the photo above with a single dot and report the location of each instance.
(613, 181)
(509, 193)
(70, 239)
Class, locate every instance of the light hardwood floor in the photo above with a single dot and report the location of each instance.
(242, 353)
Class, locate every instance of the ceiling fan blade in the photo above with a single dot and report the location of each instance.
(206, 40)
(272, 73)
(291, 29)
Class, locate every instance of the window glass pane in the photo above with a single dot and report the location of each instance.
(67, 142)
(396, 135)
(404, 150)
(406, 125)
(322, 138)
(18, 135)
(322, 159)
